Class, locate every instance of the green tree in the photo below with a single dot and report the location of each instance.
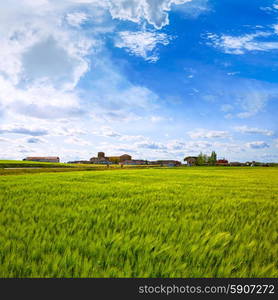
(213, 158)
(202, 159)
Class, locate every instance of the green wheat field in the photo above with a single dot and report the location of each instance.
(164, 222)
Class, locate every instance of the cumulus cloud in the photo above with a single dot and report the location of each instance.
(208, 134)
(26, 130)
(44, 53)
(36, 41)
(154, 12)
(40, 100)
(257, 145)
(142, 43)
(250, 130)
(41, 60)
(76, 19)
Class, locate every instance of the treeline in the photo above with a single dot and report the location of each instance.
(203, 159)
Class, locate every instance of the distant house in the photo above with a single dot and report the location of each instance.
(119, 159)
(222, 162)
(126, 159)
(134, 162)
(102, 159)
(191, 160)
(51, 159)
(99, 159)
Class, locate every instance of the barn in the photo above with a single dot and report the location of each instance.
(50, 159)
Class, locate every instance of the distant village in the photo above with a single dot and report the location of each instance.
(125, 159)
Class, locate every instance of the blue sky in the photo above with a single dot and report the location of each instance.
(157, 79)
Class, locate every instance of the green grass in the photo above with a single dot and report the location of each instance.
(30, 164)
(41, 167)
(184, 222)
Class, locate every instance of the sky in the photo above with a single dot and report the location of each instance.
(156, 79)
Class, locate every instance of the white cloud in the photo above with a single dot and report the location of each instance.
(41, 37)
(142, 43)
(194, 9)
(77, 141)
(76, 19)
(151, 145)
(40, 99)
(42, 60)
(253, 102)
(155, 12)
(44, 54)
(71, 130)
(106, 132)
(4, 140)
(250, 97)
(257, 145)
(132, 138)
(232, 73)
(270, 9)
(23, 129)
(242, 44)
(246, 129)
(208, 134)
(196, 146)
(229, 147)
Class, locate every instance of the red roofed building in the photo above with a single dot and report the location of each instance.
(222, 162)
(50, 159)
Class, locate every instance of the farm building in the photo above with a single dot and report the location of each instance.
(222, 162)
(119, 159)
(134, 162)
(191, 160)
(99, 159)
(102, 159)
(54, 159)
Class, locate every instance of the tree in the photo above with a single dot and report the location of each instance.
(114, 160)
(213, 158)
(202, 159)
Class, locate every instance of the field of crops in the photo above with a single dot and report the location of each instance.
(180, 222)
(10, 167)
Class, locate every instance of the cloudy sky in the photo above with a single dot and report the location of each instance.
(153, 78)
